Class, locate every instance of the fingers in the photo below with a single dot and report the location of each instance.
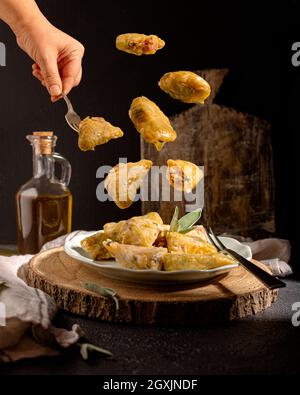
(37, 74)
(68, 84)
(35, 66)
(50, 74)
(71, 82)
(71, 74)
(63, 76)
(78, 78)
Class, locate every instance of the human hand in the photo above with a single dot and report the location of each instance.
(57, 56)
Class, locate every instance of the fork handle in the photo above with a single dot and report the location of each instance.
(266, 278)
(69, 104)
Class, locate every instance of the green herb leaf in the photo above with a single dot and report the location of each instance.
(3, 286)
(108, 292)
(185, 223)
(188, 220)
(174, 221)
(187, 230)
(86, 347)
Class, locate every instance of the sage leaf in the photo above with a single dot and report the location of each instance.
(86, 347)
(188, 220)
(108, 292)
(174, 221)
(84, 352)
(188, 230)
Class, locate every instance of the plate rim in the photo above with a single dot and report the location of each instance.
(92, 263)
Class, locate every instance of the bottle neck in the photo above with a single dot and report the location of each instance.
(43, 164)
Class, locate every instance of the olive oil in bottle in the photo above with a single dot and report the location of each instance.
(44, 203)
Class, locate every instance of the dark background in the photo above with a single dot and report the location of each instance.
(252, 40)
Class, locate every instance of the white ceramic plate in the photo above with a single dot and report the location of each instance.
(111, 268)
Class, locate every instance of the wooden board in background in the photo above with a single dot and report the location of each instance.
(235, 149)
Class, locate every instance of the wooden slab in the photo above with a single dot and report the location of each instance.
(236, 295)
(236, 152)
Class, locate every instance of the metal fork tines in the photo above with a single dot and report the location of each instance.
(267, 279)
(72, 118)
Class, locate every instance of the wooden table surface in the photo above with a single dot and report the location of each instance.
(266, 343)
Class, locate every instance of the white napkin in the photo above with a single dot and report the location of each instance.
(25, 316)
(275, 253)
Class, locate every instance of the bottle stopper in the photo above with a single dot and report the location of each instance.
(45, 142)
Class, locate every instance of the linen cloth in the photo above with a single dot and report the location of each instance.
(274, 253)
(26, 314)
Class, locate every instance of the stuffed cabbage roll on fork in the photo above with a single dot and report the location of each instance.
(95, 131)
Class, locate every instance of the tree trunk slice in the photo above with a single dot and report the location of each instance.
(225, 298)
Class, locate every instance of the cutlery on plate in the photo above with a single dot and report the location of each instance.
(72, 118)
(267, 279)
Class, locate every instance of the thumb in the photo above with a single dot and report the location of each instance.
(51, 76)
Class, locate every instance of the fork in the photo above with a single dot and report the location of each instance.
(72, 118)
(267, 279)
